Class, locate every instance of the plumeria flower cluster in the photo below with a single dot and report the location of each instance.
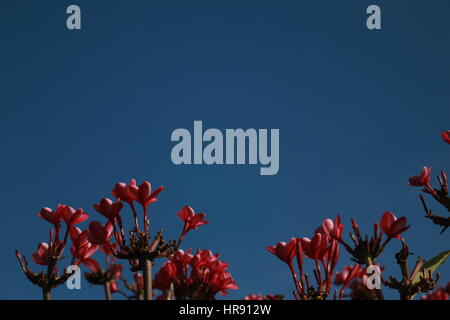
(440, 195)
(139, 249)
(324, 249)
(199, 276)
(48, 254)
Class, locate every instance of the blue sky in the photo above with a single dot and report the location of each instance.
(359, 111)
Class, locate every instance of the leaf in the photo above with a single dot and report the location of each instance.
(432, 265)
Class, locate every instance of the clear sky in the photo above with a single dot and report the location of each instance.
(359, 111)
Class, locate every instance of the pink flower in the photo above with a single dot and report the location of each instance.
(51, 216)
(41, 254)
(392, 226)
(109, 209)
(191, 220)
(421, 180)
(92, 265)
(332, 228)
(350, 274)
(317, 247)
(81, 248)
(284, 251)
(201, 276)
(72, 217)
(144, 195)
(340, 277)
(123, 192)
(99, 234)
(446, 136)
(166, 275)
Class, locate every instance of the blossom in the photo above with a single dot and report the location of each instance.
(123, 192)
(421, 180)
(341, 277)
(191, 220)
(166, 275)
(315, 248)
(81, 248)
(446, 136)
(51, 216)
(108, 208)
(92, 265)
(284, 251)
(199, 276)
(332, 228)
(41, 254)
(348, 275)
(144, 195)
(99, 234)
(72, 217)
(392, 226)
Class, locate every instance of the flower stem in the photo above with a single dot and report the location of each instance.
(147, 264)
(46, 290)
(46, 294)
(107, 287)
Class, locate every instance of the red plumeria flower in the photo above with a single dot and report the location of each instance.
(201, 276)
(285, 251)
(340, 277)
(41, 254)
(92, 265)
(191, 221)
(421, 180)
(166, 275)
(332, 228)
(392, 226)
(123, 192)
(81, 249)
(109, 209)
(446, 136)
(72, 217)
(99, 234)
(144, 195)
(317, 247)
(51, 216)
(352, 273)
(222, 281)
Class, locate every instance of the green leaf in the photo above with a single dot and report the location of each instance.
(432, 265)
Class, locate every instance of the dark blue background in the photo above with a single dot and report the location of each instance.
(359, 111)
